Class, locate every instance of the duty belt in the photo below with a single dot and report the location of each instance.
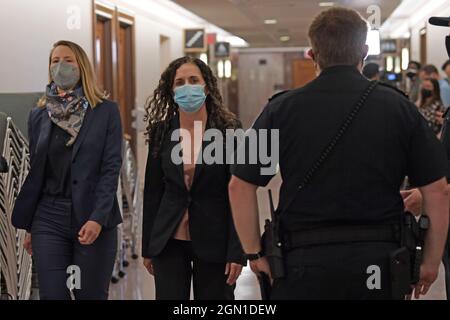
(341, 235)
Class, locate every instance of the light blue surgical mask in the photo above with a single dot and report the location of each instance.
(190, 98)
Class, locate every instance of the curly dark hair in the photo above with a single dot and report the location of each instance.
(161, 107)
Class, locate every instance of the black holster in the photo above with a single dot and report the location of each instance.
(405, 262)
(272, 248)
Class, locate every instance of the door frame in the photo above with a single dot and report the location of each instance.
(129, 20)
(111, 14)
(122, 17)
(117, 17)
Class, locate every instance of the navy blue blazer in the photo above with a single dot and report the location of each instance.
(95, 169)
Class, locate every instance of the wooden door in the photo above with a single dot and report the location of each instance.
(103, 55)
(126, 95)
(303, 72)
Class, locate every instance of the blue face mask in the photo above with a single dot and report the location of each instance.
(190, 98)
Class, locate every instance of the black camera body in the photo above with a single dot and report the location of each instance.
(442, 22)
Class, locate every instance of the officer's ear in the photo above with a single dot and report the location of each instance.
(316, 64)
(311, 54)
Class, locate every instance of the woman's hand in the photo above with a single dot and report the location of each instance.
(149, 266)
(233, 270)
(89, 233)
(428, 275)
(27, 244)
(261, 266)
(413, 201)
(440, 117)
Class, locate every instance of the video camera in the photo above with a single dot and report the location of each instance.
(442, 22)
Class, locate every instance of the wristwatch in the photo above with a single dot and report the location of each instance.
(254, 256)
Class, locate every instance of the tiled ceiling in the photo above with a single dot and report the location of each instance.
(245, 18)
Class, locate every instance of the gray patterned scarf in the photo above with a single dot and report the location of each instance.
(67, 110)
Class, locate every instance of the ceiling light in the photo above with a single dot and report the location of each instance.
(220, 70)
(285, 38)
(405, 58)
(234, 41)
(326, 4)
(374, 42)
(204, 58)
(389, 64)
(398, 67)
(228, 69)
(270, 21)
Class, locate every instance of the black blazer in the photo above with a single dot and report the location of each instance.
(96, 164)
(214, 238)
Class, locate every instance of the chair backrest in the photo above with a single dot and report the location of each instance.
(3, 126)
(18, 106)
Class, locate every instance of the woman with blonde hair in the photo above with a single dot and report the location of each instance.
(68, 202)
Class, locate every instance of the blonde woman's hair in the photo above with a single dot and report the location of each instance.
(91, 90)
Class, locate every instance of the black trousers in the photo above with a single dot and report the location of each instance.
(175, 267)
(335, 272)
(56, 247)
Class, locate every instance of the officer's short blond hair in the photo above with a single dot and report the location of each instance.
(338, 37)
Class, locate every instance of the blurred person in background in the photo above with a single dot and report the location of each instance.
(430, 71)
(430, 104)
(413, 82)
(445, 84)
(372, 71)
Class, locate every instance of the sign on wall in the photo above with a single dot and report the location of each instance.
(194, 40)
(222, 50)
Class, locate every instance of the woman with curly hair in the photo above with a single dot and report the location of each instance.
(188, 231)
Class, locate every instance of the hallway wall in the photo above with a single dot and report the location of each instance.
(436, 53)
(26, 42)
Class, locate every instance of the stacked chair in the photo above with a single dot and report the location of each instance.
(131, 207)
(17, 279)
(15, 263)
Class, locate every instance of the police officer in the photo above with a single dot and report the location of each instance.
(412, 198)
(445, 137)
(339, 229)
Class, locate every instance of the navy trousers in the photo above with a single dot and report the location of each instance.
(56, 247)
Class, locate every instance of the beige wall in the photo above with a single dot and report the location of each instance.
(257, 82)
(436, 52)
(27, 31)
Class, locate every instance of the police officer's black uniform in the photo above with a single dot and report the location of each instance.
(356, 188)
(445, 137)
